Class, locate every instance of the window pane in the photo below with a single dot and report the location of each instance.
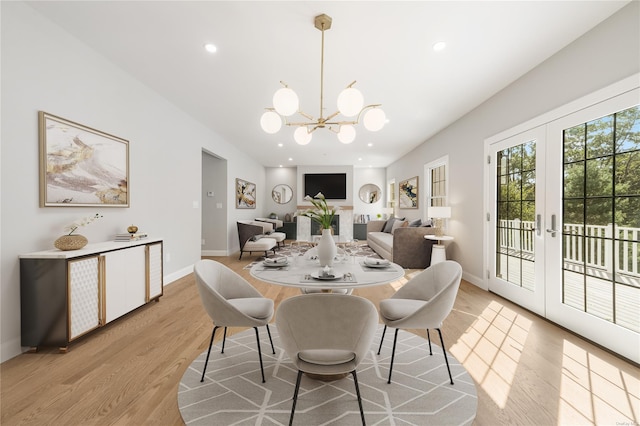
(628, 212)
(599, 176)
(627, 176)
(573, 212)
(599, 211)
(574, 180)
(574, 144)
(628, 130)
(600, 137)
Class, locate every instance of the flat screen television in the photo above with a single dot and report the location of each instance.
(332, 185)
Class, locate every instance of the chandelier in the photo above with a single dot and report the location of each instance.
(350, 104)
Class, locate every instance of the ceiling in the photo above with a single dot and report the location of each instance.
(386, 46)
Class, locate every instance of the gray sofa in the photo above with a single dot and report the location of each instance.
(406, 246)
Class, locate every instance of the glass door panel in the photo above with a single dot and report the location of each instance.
(593, 282)
(517, 267)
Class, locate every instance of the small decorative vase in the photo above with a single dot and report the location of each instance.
(71, 242)
(326, 248)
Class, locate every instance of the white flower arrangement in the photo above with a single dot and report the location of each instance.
(81, 222)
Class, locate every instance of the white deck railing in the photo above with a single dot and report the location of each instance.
(592, 245)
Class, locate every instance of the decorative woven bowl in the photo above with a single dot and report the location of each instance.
(71, 242)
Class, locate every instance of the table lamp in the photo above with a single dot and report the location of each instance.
(438, 213)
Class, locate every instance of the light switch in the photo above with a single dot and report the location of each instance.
(218, 205)
(210, 194)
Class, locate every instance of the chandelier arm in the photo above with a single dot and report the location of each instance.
(366, 108)
(307, 116)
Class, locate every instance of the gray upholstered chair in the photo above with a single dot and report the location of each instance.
(252, 239)
(423, 303)
(231, 301)
(326, 334)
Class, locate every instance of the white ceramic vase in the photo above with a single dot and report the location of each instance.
(326, 248)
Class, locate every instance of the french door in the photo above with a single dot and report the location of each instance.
(564, 221)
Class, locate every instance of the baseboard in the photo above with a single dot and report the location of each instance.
(174, 276)
(477, 281)
(204, 253)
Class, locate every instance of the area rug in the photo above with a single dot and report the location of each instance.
(363, 251)
(419, 394)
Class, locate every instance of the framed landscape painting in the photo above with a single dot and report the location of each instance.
(245, 194)
(408, 190)
(81, 166)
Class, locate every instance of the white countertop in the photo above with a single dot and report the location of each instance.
(91, 248)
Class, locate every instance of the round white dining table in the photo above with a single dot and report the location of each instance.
(305, 273)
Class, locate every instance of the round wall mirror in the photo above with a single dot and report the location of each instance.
(370, 193)
(282, 194)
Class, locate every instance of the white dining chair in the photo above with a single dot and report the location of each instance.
(231, 301)
(422, 303)
(326, 334)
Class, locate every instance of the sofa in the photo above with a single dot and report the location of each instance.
(400, 243)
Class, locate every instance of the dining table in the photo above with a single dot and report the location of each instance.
(346, 272)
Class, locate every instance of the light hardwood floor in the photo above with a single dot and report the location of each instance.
(527, 370)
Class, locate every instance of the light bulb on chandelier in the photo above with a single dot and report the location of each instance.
(350, 103)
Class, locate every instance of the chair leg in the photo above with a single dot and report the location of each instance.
(295, 397)
(271, 340)
(259, 353)
(224, 339)
(208, 352)
(240, 255)
(384, 330)
(393, 353)
(444, 351)
(355, 380)
(429, 339)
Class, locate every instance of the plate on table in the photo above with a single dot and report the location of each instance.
(376, 263)
(326, 277)
(276, 263)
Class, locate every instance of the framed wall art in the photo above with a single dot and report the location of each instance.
(245, 194)
(81, 166)
(408, 191)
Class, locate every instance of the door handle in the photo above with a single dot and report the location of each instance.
(553, 229)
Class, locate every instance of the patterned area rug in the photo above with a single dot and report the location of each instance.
(363, 250)
(233, 392)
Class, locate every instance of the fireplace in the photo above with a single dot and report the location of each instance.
(335, 225)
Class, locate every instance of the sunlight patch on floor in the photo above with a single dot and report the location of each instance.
(490, 349)
(595, 392)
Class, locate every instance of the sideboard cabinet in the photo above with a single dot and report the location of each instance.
(67, 294)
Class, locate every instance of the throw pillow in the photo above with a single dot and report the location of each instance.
(388, 225)
(398, 224)
(415, 223)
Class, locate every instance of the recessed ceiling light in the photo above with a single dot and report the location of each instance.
(290, 159)
(280, 145)
(369, 144)
(280, 165)
(211, 48)
(439, 46)
(359, 159)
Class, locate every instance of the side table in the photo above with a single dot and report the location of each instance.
(438, 254)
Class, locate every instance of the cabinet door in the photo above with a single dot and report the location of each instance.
(84, 296)
(125, 283)
(154, 271)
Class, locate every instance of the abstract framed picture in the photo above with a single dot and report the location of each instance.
(81, 166)
(408, 190)
(245, 194)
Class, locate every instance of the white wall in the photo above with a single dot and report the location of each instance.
(363, 176)
(605, 55)
(44, 68)
(280, 176)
